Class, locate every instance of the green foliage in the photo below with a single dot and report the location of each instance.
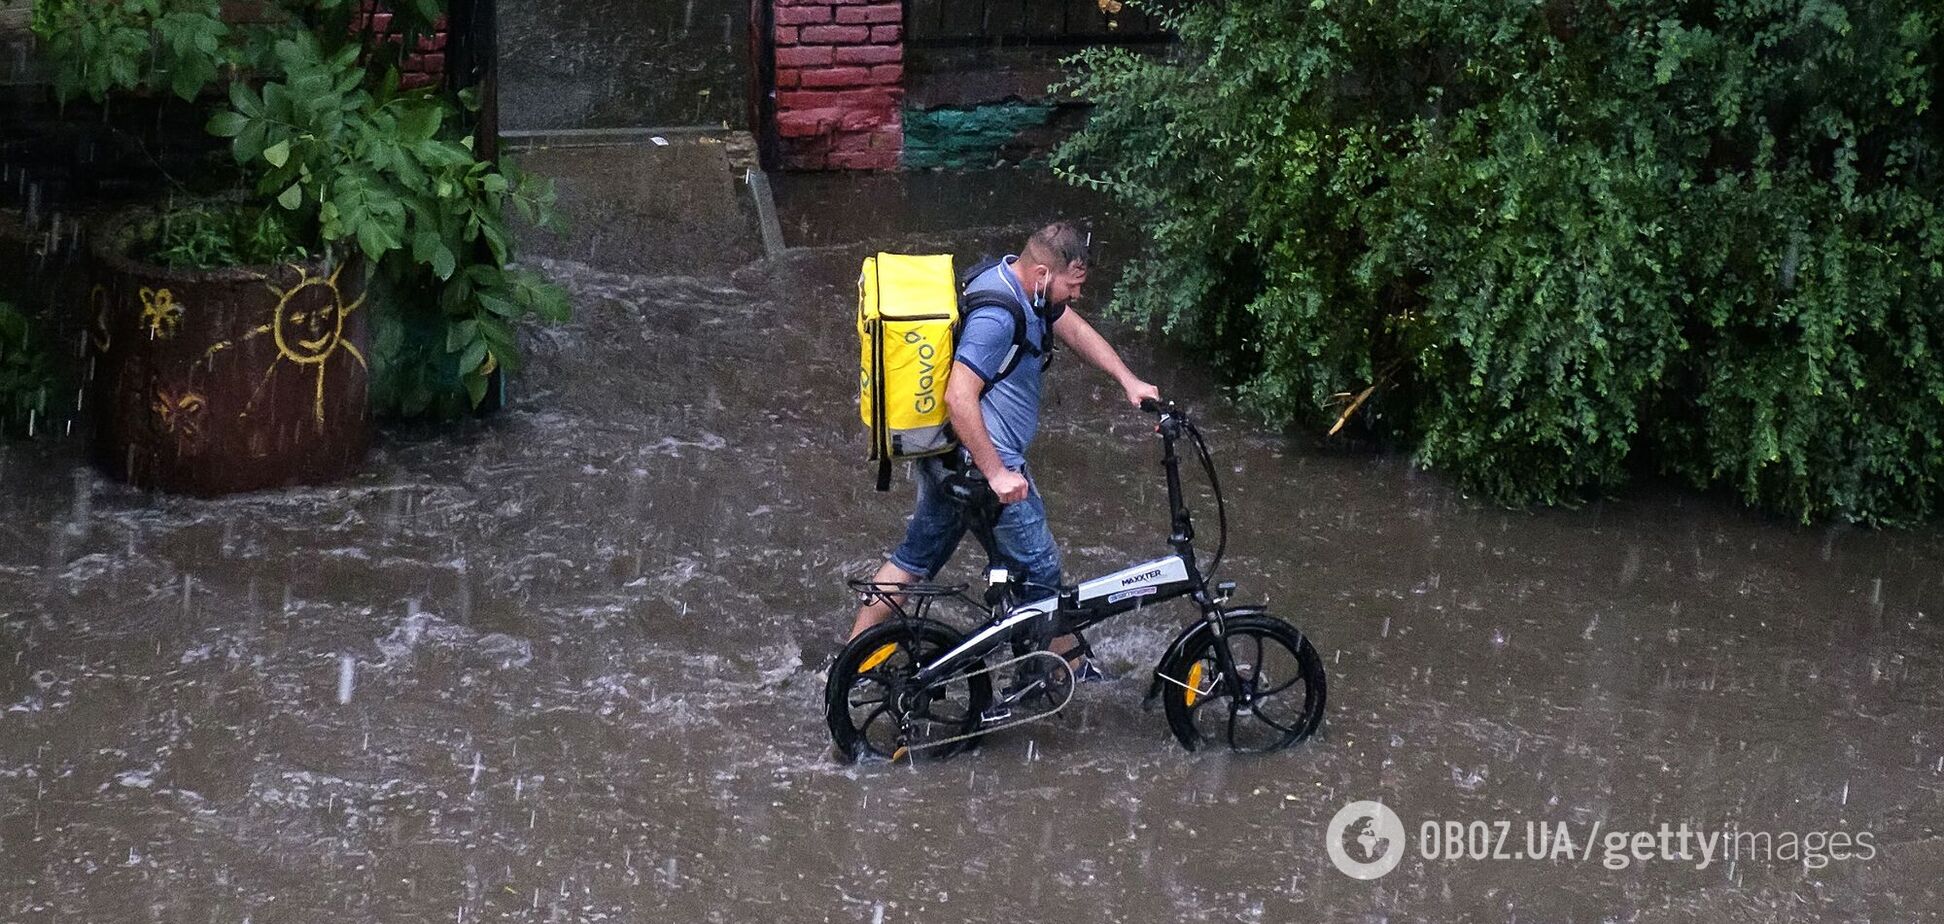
(344, 162)
(386, 173)
(1566, 241)
(24, 374)
(103, 46)
(217, 234)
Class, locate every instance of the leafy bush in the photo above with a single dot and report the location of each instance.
(384, 172)
(99, 48)
(24, 374)
(1553, 244)
(103, 46)
(343, 162)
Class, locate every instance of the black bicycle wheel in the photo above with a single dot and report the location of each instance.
(874, 713)
(1281, 675)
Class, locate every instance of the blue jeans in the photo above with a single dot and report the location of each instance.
(1019, 539)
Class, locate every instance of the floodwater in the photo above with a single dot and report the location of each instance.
(562, 665)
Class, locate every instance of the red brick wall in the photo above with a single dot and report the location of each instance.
(425, 65)
(839, 76)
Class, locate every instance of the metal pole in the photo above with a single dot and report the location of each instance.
(762, 83)
(472, 60)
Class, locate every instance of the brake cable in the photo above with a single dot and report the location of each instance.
(1221, 507)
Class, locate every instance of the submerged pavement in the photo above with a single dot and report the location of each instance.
(561, 665)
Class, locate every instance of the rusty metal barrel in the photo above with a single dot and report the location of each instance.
(211, 382)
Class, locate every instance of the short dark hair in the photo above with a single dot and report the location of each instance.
(1059, 245)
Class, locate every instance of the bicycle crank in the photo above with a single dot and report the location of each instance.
(1001, 722)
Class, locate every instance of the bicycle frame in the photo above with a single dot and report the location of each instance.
(1100, 599)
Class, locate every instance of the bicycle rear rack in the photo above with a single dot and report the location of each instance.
(920, 595)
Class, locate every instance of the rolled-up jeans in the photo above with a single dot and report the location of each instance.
(1019, 538)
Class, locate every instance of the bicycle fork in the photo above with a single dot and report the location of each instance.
(1214, 622)
(1225, 659)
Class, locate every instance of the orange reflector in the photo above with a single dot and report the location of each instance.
(899, 754)
(1194, 683)
(878, 657)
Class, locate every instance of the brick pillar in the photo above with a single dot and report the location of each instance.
(839, 76)
(423, 66)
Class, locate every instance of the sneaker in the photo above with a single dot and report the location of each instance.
(1089, 672)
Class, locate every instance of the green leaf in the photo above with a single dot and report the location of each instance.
(278, 154)
(423, 243)
(500, 306)
(459, 335)
(248, 145)
(499, 337)
(227, 124)
(474, 355)
(444, 263)
(376, 239)
(496, 243)
(187, 81)
(475, 387)
(421, 123)
(293, 197)
(245, 100)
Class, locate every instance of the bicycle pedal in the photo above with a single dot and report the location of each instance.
(995, 715)
(1019, 692)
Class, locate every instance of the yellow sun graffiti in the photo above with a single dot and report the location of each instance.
(305, 337)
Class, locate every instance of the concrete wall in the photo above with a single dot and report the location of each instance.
(16, 44)
(580, 64)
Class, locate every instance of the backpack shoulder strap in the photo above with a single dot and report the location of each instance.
(978, 269)
(1021, 345)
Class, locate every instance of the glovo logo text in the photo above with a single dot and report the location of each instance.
(927, 397)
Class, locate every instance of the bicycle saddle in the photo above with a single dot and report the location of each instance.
(968, 488)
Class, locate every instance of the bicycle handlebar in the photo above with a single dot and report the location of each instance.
(1164, 408)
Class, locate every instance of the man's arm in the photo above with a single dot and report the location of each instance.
(962, 389)
(1081, 338)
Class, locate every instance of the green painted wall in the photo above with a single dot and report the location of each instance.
(975, 136)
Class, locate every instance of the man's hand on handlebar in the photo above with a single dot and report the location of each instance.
(1139, 391)
(1009, 485)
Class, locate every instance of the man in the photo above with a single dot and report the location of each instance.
(996, 415)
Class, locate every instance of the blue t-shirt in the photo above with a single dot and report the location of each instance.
(1011, 408)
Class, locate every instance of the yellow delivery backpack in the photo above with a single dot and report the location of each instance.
(907, 322)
